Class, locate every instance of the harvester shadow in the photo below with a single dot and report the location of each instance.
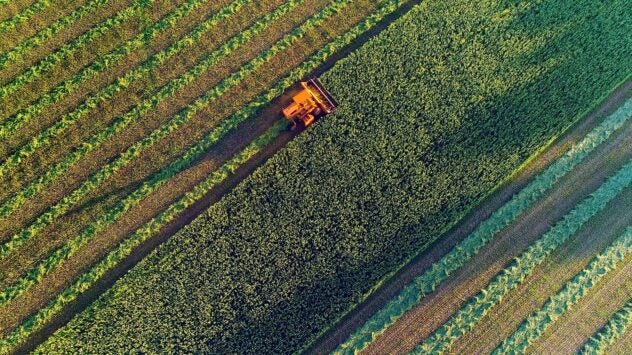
(409, 238)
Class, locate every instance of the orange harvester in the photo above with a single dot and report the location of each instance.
(311, 102)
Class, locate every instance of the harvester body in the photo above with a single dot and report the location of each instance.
(311, 102)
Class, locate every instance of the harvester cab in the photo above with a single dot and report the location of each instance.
(313, 101)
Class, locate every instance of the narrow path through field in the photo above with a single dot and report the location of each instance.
(592, 167)
(240, 136)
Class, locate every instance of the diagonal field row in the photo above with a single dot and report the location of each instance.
(457, 257)
(102, 64)
(449, 295)
(613, 330)
(48, 244)
(23, 16)
(573, 291)
(476, 307)
(333, 9)
(222, 255)
(48, 62)
(569, 260)
(135, 150)
(142, 108)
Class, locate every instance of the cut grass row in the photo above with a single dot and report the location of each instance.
(609, 333)
(26, 14)
(176, 121)
(64, 253)
(34, 322)
(67, 49)
(426, 283)
(477, 306)
(121, 122)
(538, 322)
(105, 62)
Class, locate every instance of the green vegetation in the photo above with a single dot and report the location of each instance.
(537, 323)
(27, 13)
(143, 107)
(478, 306)
(306, 237)
(100, 65)
(67, 49)
(608, 334)
(32, 324)
(426, 283)
(176, 121)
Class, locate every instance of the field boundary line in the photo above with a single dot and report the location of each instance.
(610, 332)
(61, 53)
(427, 282)
(118, 123)
(574, 290)
(36, 321)
(103, 221)
(508, 279)
(24, 115)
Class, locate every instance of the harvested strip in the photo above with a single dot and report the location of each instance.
(477, 306)
(537, 323)
(50, 31)
(102, 64)
(85, 39)
(65, 252)
(470, 246)
(37, 320)
(135, 150)
(131, 116)
(609, 333)
(24, 15)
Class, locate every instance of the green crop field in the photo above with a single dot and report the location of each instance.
(121, 120)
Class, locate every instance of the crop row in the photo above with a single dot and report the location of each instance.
(609, 333)
(275, 268)
(86, 280)
(83, 40)
(574, 290)
(426, 283)
(24, 15)
(513, 275)
(125, 248)
(65, 252)
(43, 35)
(100, 65)
(134, 114)
(179, 119)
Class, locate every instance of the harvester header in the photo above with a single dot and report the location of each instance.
(313, 101)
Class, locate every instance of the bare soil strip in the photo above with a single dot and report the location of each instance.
(548, 278)
(520, 179)
(435, 309)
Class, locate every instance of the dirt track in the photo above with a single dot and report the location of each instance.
(359, 315)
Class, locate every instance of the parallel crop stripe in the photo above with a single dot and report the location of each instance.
(573, 291)
(47, 63)
(26, 14)
(485, 232)
(102, 64)
(37, 320)
(512, 276)
(45, 34)
(123, 121)
(176, 121)
(609, 333)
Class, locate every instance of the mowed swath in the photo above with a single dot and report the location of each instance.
(311, 28)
